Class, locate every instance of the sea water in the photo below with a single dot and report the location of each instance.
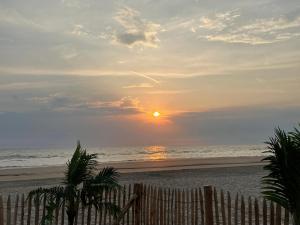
(17, 158)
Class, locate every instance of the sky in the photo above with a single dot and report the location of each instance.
(219, 72)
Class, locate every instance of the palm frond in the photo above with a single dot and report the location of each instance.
(282, 183)
(57, 191)
(108, 176)
(80, 167)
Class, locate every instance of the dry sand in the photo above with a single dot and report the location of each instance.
(238, 174)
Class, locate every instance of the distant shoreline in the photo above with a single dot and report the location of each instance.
(47, 172)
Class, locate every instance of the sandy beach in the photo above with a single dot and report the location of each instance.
(236, 174)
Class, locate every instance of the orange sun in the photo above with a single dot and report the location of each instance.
(156, 114)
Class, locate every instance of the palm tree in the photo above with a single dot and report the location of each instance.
(81, 183)
(282, 183)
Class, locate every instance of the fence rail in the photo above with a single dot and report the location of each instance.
(149, 205)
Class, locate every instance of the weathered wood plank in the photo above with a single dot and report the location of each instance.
(249, 211)
(8, 211)
(29, 210)
(242, 210)
(256, 212)
(16, 210)
(1, 211)
(208, 199)
(265, 212)
(236, 214)
(223, 208)
(216, 205)
(228, 208)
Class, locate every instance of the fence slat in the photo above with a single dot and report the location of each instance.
(249, 211)
(183, 208)
(236, 204)
(16, 210)
(192, 208)
(8, 211)
(196, 207)
(29, 211)
(44, 206)
(22, 209)
(110, 197)
(286, 217)
(128, 198)
(82, 214)
(228, 208)
(169, 204)
(265, 212)
(172, 207)
(201, 206)
(77, 214)
(278, 215)
(165, 202)
(256, 211)
(216, 205)
(208, 205)
(1, 211)
(56, 213)
(37, 210)
(123, 204)
(89, 215)
(96, 216)
(242, 211)
(271, 213)
(62, 221)
(155, 206)
(223, 208)
(160, 207)
(177, 210)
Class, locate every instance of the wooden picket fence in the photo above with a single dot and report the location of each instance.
(149, 205)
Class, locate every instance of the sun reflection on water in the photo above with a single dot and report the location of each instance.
(156, 152)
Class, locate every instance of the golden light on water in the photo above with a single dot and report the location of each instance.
(156, 114)
(156, 152)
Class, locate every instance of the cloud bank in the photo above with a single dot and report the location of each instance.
(134, 30)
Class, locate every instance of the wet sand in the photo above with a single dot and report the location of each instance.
(239, 174)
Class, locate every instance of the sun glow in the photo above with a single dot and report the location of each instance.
(156, 114)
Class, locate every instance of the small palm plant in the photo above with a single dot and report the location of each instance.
(282, 183)
(81, 183)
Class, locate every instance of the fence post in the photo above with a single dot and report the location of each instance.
(1, 211)
(137, 189)
(208, 201)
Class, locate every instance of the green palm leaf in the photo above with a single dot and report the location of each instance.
(80, 184)
(282, 183)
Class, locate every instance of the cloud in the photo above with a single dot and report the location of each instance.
(141, 85)
(129, 102)
(14, 17)
(236, 125)
(66, 51)
(78, 4)
(219, 21)
(135, 31)
(79, 30)
(60, 102)
(125, 103)
(146, 76)
(226, 28)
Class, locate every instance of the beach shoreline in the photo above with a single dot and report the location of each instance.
(238, 174)
(47, 172)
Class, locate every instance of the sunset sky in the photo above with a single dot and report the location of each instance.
(218, 72)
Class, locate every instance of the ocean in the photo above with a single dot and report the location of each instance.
(19, 158)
